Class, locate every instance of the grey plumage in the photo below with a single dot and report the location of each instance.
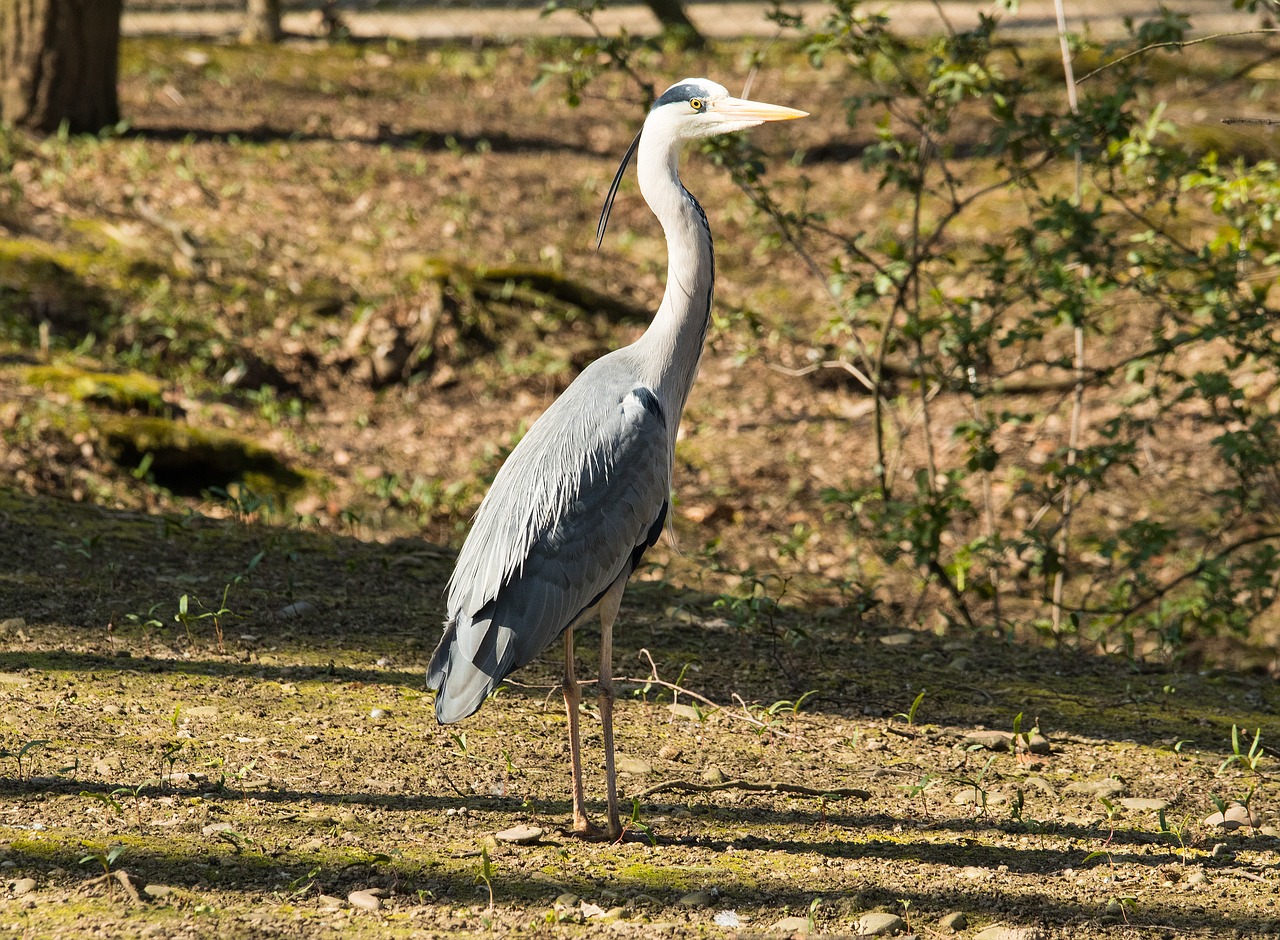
(578, 498)
(585, 492)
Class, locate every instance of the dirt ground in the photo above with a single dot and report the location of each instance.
(213, 712)
(255, 788)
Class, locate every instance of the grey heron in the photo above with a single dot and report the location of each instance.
(585, 492)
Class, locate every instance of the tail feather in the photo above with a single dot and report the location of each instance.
(463, 682)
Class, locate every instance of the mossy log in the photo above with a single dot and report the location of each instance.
(190, 460)
(40, 282)
(464, 311)
(123, 391)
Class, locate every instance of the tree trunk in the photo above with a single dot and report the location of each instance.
(676, 23)
(58, 63)
(261, 21)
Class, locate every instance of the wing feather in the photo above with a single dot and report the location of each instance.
(570, 512)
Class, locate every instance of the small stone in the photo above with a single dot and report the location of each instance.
(1241, 815)
(23, 886)
(158, 891)
(377, 714)
(990, 740)
(329, 901)
(1034, 742)
(568, 899)
(1108, 788)
(955, 922)
(1196, 879)
(904, 638)
(792, 925)
(107, 766)
(200, 711)
(519, 835)
(670, 752)
(1144, 804)
(111, 709)
(215, 828)
(634, 766)
(1221, 850)
(713, 775)
(727, 919)
(879, 924)
(1237, 816)
(365, 900)
(296, 610)
(613, 914)
(697, 899)
(1043, 785)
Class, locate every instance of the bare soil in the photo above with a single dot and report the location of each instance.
(264, 748)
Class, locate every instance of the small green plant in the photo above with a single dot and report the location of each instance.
(485, 874)
(107, 801)
(1247, 759)
(1178, 831)
(460, 749)
(909, 716)
(812, 917)
(302, 884)
(185, 616)
(105, 858)
(21, 754)
(635, 824)
(169, 757)
(1113, 810)
(976, 782)
(919, 789)
(84, 548)
(1017, 804)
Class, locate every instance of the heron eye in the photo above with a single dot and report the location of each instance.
(695, 103)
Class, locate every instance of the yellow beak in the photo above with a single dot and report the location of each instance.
(744, 110)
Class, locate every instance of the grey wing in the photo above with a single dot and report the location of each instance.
(571, 511)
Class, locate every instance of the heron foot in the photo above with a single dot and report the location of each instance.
(588, 831)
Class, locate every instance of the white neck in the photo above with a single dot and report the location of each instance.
(671, 347)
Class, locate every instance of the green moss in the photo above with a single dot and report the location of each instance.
(188, 459)
(120, 390)
(655, 878)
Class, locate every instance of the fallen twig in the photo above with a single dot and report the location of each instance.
(652, 679)
(688, 786)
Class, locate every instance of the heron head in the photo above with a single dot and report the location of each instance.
(691, 109)
(698, 107)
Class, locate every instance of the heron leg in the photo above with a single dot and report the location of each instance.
(572, 698)
(609, 605)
